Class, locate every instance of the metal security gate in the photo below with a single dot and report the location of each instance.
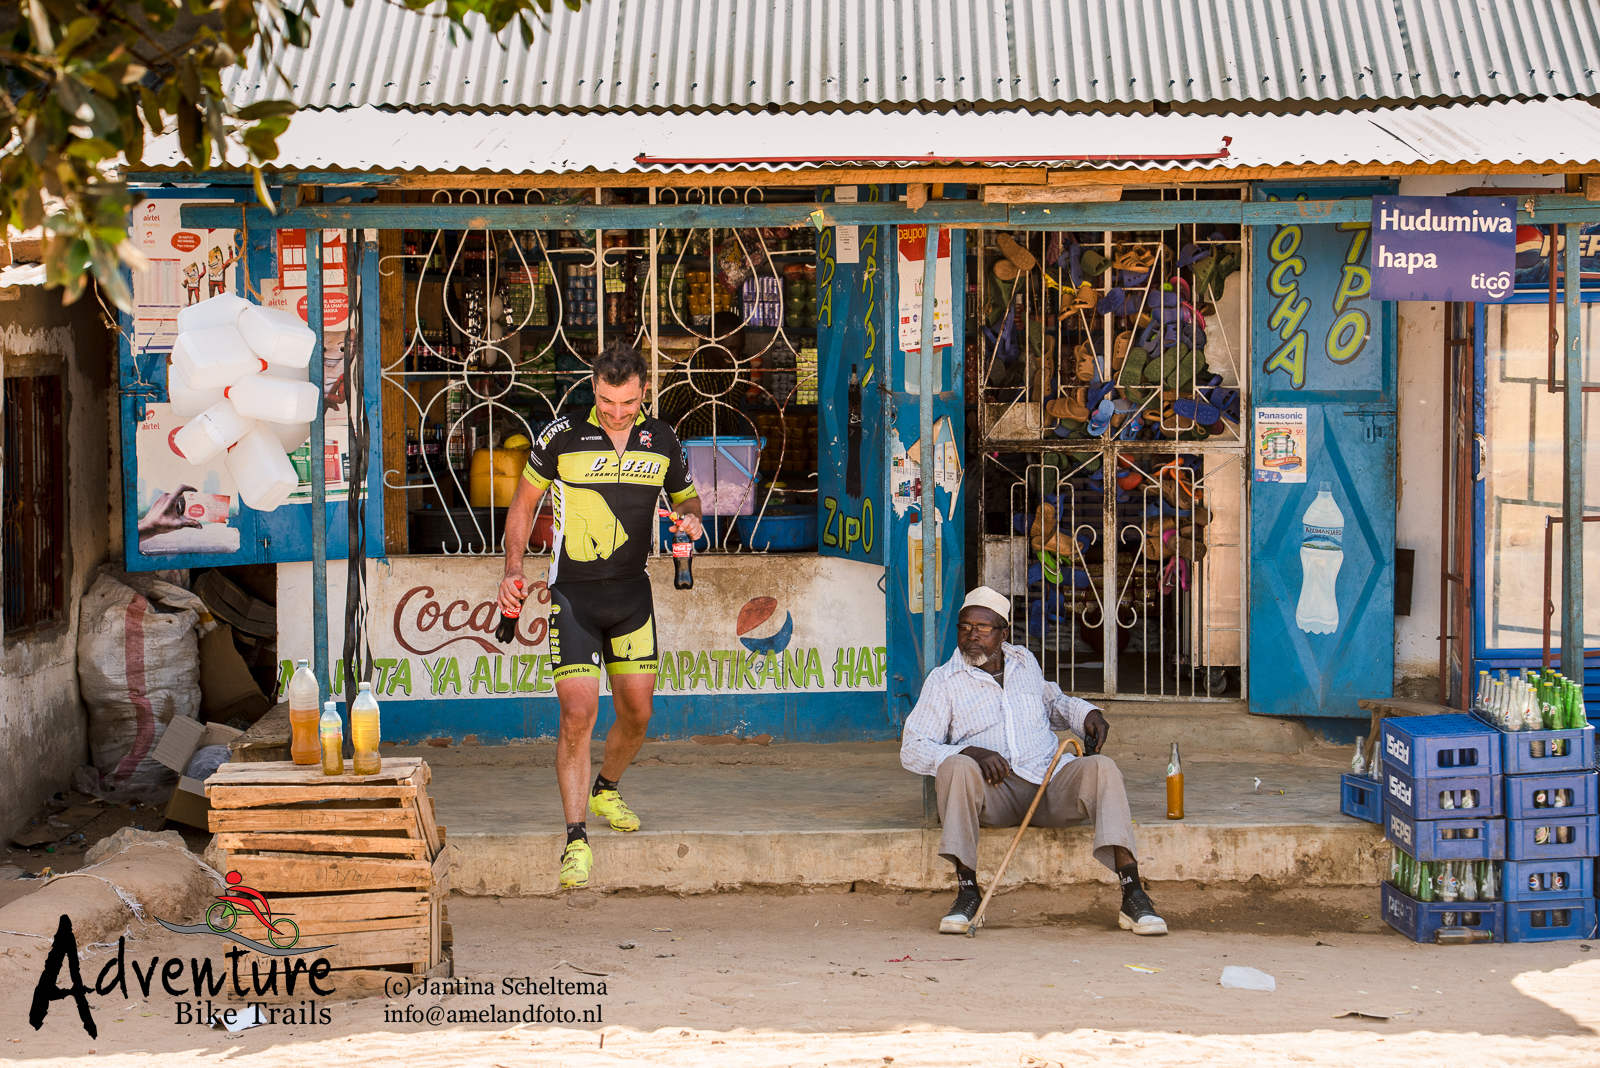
(500, 328)
(1112, 386)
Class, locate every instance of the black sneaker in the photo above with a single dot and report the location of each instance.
(962, 911)
(1139, 915)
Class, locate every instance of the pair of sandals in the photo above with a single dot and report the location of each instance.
(1169, 537)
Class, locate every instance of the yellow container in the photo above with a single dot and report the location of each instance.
(495, 471)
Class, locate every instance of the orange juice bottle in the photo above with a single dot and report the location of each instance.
(1174, 786)
(303, 714)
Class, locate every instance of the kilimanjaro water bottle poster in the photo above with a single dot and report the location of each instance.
(1280, 444)
(1321, 556)
(1443, 248)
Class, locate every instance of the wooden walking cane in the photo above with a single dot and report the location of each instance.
(994, 884)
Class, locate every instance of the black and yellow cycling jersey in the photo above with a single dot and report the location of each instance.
(604, 503)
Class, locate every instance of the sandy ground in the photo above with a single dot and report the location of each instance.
(824, 979)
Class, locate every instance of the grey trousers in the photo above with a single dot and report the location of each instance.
(1088, 788)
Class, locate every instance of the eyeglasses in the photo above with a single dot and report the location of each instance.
(977, 630)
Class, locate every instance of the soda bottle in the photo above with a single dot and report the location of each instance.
(1174, 786)
(508, 623)
(1321, 556)
(303, 695)
(682, 555)
(332, 731)
(1358, 763)
(364, 732)
(413, 452)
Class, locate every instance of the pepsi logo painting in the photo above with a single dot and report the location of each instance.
(759, 628)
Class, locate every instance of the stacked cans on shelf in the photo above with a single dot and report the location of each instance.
(1552, 811)
(1443, 811)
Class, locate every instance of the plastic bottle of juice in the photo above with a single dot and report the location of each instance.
(332, 732)
(303, 695)
(364, 732)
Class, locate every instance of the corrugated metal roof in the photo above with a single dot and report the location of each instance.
(688, 55)
(369, 139)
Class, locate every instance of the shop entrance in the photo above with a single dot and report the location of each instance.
(1111, 383)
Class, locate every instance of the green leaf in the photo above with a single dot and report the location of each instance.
(91, 149)
(78, 31)
(97, 81)
(263, 109)
(152, 111)
(262, 193)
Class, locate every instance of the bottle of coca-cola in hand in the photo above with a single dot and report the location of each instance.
(682, 557)
(508, 623)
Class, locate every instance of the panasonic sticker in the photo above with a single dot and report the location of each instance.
(1443, 248)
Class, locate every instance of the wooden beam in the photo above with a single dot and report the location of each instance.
(393, 408)
(1050, 194)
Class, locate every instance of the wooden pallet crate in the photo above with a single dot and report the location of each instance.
(357, 861)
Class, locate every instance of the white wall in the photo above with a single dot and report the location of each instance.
(43, 726)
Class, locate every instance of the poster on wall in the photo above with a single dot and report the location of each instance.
(1280, 444)
(187, 265)
(847, 239)
(912, 242)
(1533, 253)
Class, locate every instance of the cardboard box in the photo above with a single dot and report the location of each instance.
(227, 689)
(179, 743)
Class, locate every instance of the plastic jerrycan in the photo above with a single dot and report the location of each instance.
(277, 336)
(261, 470)
(209, 433)
(304, 745)
(211, 359)
(274, 400)
(188, 402)
(221, 310)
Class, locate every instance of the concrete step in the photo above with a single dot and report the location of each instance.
(810, 821)
(1211, 725)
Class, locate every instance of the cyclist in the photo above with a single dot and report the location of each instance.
(605, 472)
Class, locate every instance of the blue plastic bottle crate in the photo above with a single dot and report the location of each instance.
(1541, 838)
(1535, 796)
(1435, 746)
(1518, 747)
(1554, 920)
(1359, 796)
(1542, 880)
(1470, 839)
(1421, 920)
(1425, 798)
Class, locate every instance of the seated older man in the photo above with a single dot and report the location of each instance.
(983, 728)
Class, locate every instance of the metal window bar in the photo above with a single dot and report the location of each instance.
(34, 502)
(1105, 368)
(502, 327)
(1550, 524)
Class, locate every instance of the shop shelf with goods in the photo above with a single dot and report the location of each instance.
(356, 863)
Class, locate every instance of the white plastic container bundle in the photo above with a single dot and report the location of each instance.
(277, 336)
(211, 359)
(274, 400)
(290, 435)
(188, 402)
(262, 470)
(219, 311)
(212, 431)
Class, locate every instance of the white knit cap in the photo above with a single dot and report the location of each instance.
(984, 597)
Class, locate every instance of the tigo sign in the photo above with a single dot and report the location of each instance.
(1443, 248)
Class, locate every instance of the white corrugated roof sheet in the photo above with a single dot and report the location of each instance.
(375, 140)
(688, 55)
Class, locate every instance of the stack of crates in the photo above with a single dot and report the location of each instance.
(1443, 802)
(1552, 833)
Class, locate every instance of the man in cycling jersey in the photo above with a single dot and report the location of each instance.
(605, 472)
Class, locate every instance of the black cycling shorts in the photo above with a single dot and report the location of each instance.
(610, 623)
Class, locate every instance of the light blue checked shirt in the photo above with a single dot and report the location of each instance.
(962, 706)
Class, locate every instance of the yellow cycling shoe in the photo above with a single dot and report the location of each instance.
(576, 860)
(609, 803)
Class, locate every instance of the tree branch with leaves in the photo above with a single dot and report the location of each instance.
(89, 82)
